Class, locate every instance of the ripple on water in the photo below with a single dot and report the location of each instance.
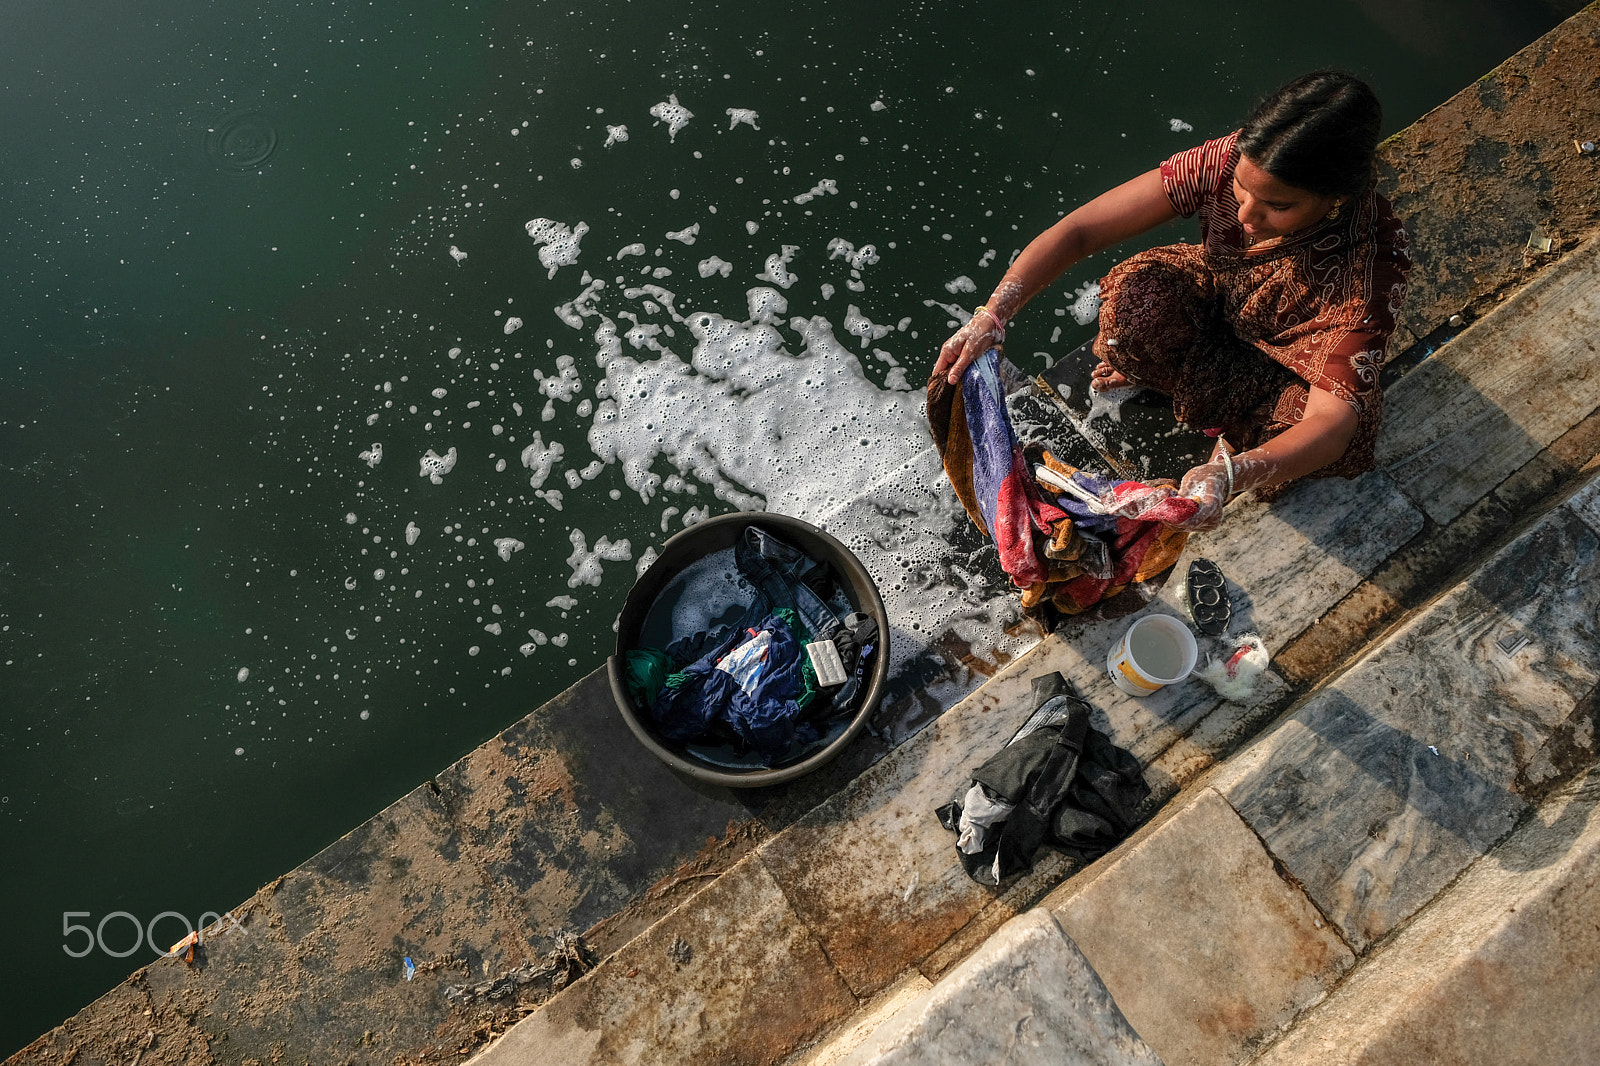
(243, 140)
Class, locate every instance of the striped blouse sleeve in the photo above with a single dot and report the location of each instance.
(1192, 176)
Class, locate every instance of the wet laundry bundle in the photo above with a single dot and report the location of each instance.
(1057, 781)
(1055, 546)
(750, 683)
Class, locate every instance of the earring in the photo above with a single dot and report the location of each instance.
(1334, 213)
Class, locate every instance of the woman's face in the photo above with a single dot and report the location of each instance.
(1269, 208)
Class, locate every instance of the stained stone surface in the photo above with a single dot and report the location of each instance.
(1028, 997)
(1392, 780)
(1289, 562)
(1207, 950)
(736, 978)
(1473, 418)
(1499, 971)
(1585, 503)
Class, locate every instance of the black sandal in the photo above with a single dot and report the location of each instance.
(1208, 597)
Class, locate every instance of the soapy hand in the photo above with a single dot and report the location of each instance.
(1207, 485)
(967, 343)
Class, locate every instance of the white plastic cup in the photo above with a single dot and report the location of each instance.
(1156, 650)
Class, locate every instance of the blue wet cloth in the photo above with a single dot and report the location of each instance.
(703, 697)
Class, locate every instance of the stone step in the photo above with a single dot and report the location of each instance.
(1498, 970)
(1282, 871)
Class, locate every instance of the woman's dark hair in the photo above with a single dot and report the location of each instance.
(1316, 133)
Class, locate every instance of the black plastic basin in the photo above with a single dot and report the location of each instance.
(707, 538)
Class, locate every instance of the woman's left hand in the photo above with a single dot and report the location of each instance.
(1207, 485)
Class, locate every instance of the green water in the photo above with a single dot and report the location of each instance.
(228, 229)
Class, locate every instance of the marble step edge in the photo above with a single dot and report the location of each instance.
(1487, 955)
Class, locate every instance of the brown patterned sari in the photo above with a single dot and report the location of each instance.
(1236, 333)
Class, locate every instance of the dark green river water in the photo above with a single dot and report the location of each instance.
(246, 243)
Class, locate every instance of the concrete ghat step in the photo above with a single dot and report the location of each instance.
(1027, 997)
(1251, 902)
(1499, 970)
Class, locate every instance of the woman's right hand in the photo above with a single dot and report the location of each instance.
(980, 334)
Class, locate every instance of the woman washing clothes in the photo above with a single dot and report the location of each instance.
(1270, 333)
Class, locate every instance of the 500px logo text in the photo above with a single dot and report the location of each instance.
(193, 933)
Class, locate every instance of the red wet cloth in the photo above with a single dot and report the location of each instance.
(1051, 546)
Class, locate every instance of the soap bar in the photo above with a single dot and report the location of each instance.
(826, 662)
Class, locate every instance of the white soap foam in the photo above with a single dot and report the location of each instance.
(674, 114)
(435, 466)
(540, 457)
(1086, 304)
(615, 135)
(777, 268)
(631, 249)
(558, 242)
(737, 115)
(859, 325)
(960, 284)
(457, 254)
(504, 546)
(715, 265)
(412, 533)
(244, 674)
(878, 105)
(513, 324)
(565, 385)
(825, 187)
(1179, 126)
(865, 256)
(560, 603)
(585, 562)
(687, 235)
(373, 455)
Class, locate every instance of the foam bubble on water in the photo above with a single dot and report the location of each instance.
(858, 258)
(960, 284)
(238, 751)
(373, 455)
(350, 519)
(585, 562)
(859, 325)
(737, 115)
(365, 715)
(751, 227)
(372, 419)
(440, 393)
(827, 291)
(825, 187)
(504, 546)
(878, 105)
(492, 627)
(539, 458)
(412, 533)
(474, 650)
(988, 257)
(687, 235)
(574, 479)
(435, 466)
(565, 385)
(244, 674)
(558, 242)
(528, 648)
(646, 558)
(674, 114)
(715, 265)
(777, 269)
(512, 325)
(631, 249)
(559, 640)
(1086, 306)
(576, 163)
(1179, 126)
(550, 496)
(457, 254)
(615, 135)
(454, 353)
(560, 603)
(350, 584)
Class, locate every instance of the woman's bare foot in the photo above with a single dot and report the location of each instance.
(1105, 376)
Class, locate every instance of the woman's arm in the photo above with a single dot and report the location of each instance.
(1319, 438)
(1126, 211)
